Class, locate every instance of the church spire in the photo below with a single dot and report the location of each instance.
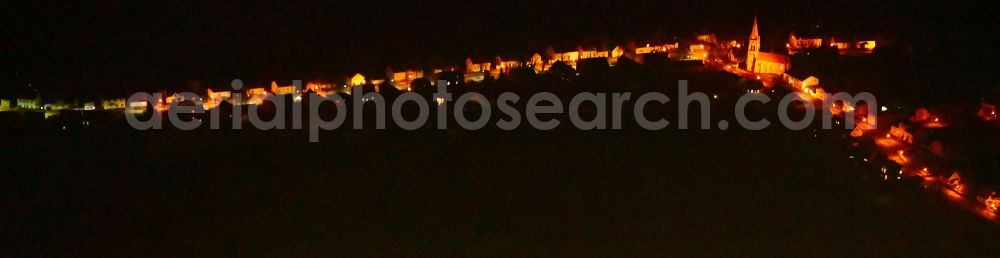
(753, 47)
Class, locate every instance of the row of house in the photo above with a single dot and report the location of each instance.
(704, 47)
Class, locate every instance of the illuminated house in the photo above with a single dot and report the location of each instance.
(358, 80)
(538, 63)
(59, 105)
(644, 50)
(219, 95)
(616, 53)
(113, 104)
(593, 53)
(216, 97)
(955, 182)
(4, 105)
(568, 58)
(697, 52)
(991, 200)
(402, 80)
(763, 62)
(137, 106)
(809, 82)
(842, 46)
(29, 103)
(477, 71)
(865, 45)
(474, 67)
(666, 47)
(320, 88)
(506, 66)
(282, 90)
(798, 44)
(256, 96)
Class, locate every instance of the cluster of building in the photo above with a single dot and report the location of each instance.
(704, 47)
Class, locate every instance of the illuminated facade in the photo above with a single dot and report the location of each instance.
(358, 80)
(113, 104)
(255, 96)
(697, 52)
(763, 63)
(866, 45)
(29, 103)
(796, 44)
(537, 63)
(283, 90)
(473, 67)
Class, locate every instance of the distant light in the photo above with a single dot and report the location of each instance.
(884, 108)
(715, 96)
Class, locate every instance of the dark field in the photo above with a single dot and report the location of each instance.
(456, 193)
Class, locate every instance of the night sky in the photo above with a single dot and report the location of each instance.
(88, 49)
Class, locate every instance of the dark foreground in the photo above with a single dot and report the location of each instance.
(453, 193)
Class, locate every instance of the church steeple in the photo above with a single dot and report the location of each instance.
(753, 46)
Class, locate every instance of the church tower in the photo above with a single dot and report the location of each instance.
(753, 47)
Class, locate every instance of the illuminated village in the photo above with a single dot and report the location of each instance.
(743, 58)
(910, 144)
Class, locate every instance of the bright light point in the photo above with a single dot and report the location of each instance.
(884, 108)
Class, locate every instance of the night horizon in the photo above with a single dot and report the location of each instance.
(82, 50)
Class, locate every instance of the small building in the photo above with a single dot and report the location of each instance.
(29, 103)
(537, 63)
(865, 45)
(4, 105)
(796, 44)
(59, 105)
(255, 96)
(402, 80)
(283, 90)
(473, 67)
(358, 80)
(697, 52)
(113, 104)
